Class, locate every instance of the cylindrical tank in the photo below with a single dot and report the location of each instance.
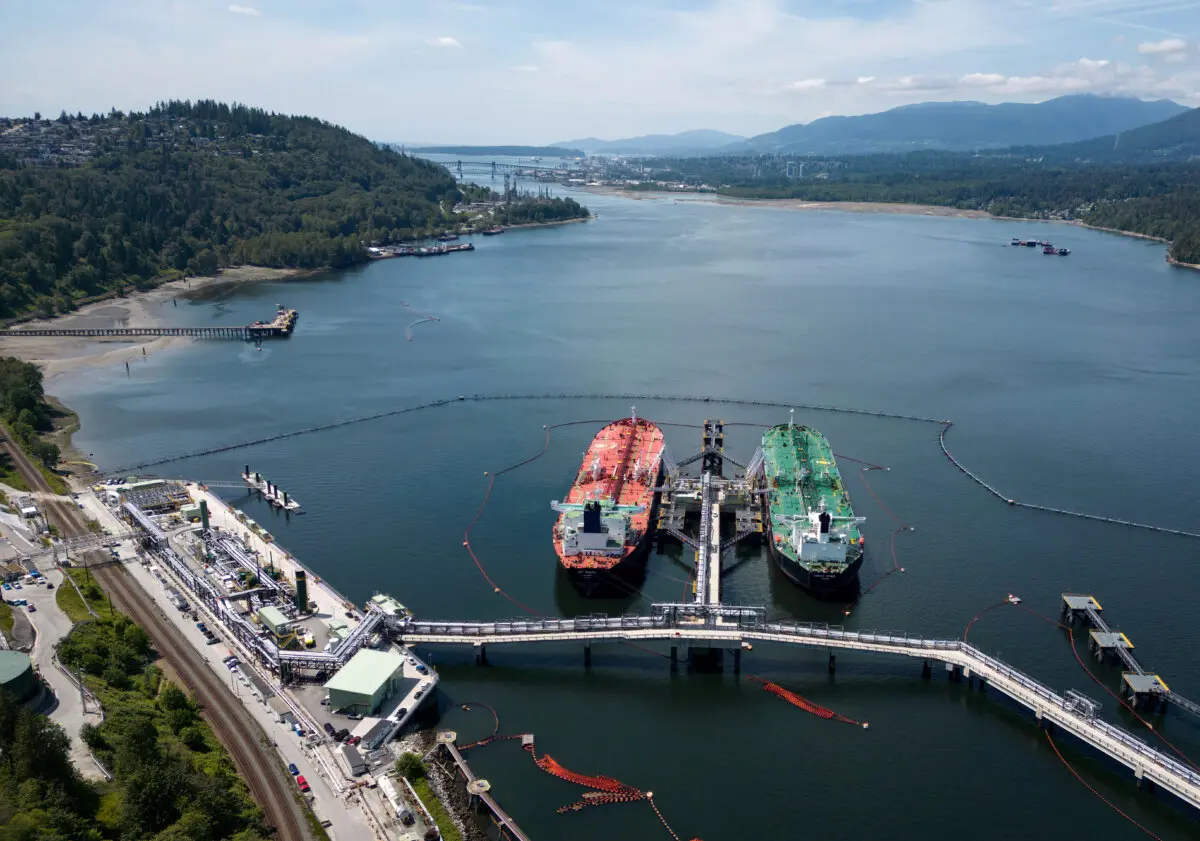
(16, 675)
(301, 591)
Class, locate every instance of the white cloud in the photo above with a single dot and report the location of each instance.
(864, 80)
(444, 41)
(526, 68)
(1092, 64)
(981, 79)
(245, 10)
(1164, 47)
(806, 85)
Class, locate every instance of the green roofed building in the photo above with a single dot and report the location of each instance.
(274, 619)
(366, 681)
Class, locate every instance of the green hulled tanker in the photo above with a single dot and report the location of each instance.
(813, 533)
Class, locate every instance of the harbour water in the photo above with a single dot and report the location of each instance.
(1072, 382)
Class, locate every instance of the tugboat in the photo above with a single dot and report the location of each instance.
(1047, 248)
(492, 231)
(1063, 252)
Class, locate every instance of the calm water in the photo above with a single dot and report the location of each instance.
(1071, 382)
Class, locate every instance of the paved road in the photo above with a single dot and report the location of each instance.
(52, 625)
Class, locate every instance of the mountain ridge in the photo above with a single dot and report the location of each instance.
(964, 126)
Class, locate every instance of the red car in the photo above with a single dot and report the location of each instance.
(303, 783)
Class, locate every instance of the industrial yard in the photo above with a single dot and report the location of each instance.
(318, 673)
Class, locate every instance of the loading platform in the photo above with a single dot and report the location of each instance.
(1142, 687)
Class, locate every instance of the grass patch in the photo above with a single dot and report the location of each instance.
(73, 605)
(314, 823)
(441, 817)
(57, 483)
(6, 618)
(9, 474)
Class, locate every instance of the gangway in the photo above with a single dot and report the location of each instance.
(733, 627)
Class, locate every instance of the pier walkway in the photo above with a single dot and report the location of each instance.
(732, 627)
(279, 328)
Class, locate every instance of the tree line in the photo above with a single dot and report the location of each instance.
(24, 408)
(191, 187)
(172, 780)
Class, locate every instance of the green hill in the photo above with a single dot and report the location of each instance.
(89, 206)
(1176, 139)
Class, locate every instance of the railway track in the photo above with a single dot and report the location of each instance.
(239, 734)
(261, 768)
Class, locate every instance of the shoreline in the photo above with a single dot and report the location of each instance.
(59, 356)
(896, 208)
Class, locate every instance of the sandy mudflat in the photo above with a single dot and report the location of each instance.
(57, 355)
(797, 204)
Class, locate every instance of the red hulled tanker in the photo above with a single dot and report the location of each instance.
(604, 524)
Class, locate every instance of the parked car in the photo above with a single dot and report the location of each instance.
(7, 586)
(292, 767)
(354, 740)
(406, 817)
(417, 696)
(341, 734)
(33, 608)
(354, 716)
(422, 670)
(403, 711)
(329, 728)
(325, 701)
(303, 783)
(49, 585)
(16, 585)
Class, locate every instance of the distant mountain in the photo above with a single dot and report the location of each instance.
(1175, 139)
(964, 126)
(506, 151)
(694, 142)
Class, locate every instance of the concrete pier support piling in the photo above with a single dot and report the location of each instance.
(832, 663)
(481, 655)
(737, 661)
(587, 655)
(926, 670)
(674, 657)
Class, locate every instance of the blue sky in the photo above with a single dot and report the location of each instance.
(536, 71)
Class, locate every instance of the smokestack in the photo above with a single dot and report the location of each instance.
(285, 499)
(247, 473)
(204, 515)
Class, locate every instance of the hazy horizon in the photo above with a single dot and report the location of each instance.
(532, 72)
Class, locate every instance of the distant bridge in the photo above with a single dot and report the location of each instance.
(512, 169)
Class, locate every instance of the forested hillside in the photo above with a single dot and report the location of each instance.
(189, 187)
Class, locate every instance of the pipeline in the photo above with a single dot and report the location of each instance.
(1046, 508)
(805, 704)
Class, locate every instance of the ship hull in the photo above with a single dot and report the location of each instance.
(623, 467)
(823, 585)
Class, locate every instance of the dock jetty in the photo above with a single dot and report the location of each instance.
(280, 327)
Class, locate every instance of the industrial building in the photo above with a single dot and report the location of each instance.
(274, 620)
(364, 683)
(16, 675)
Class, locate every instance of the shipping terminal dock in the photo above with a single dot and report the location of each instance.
(234, 576)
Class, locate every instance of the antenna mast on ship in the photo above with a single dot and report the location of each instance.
(633, 414)
(791, 419)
